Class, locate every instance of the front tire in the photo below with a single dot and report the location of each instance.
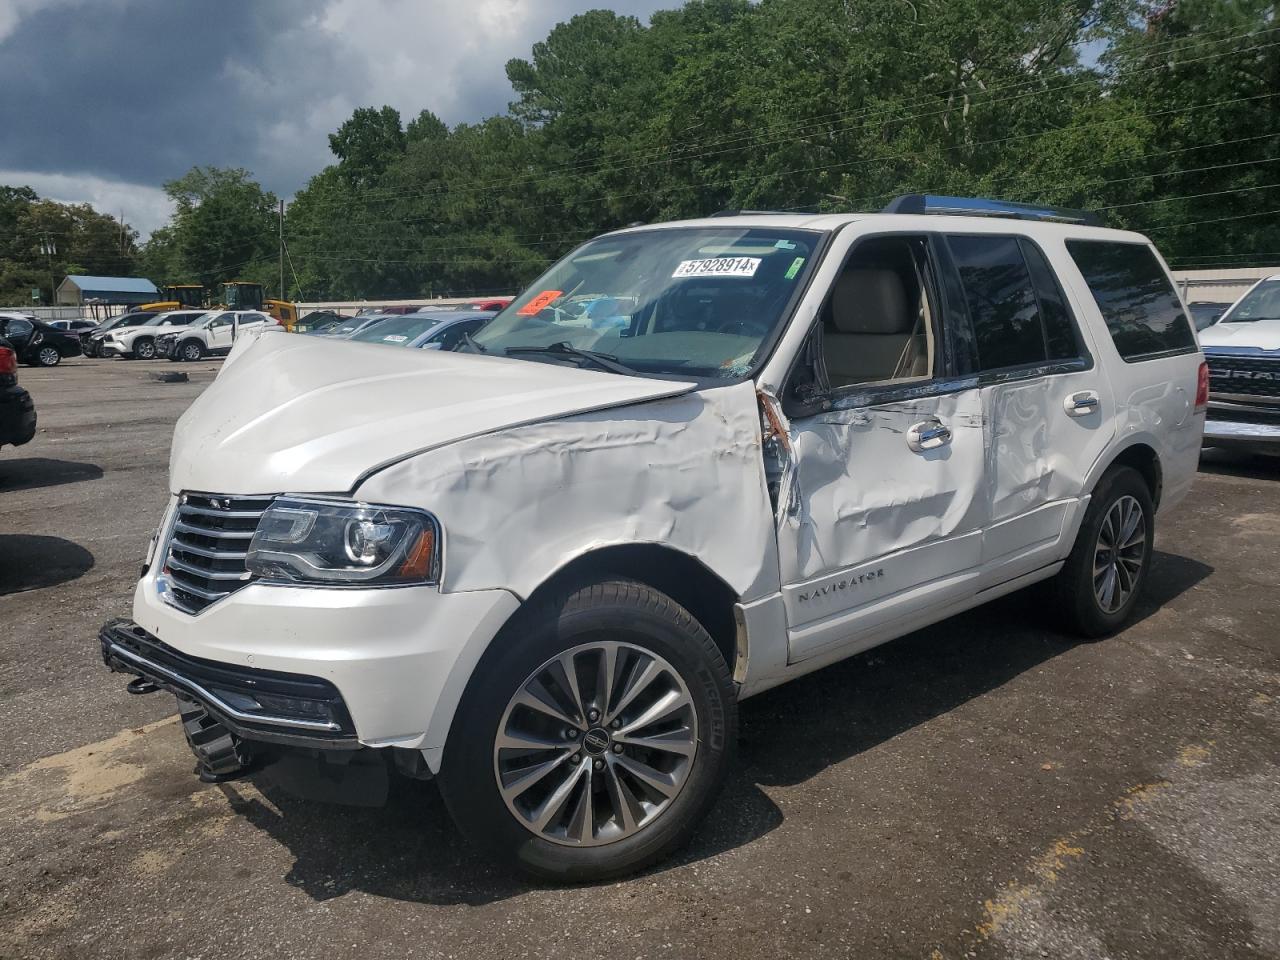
(593, 737)
(191, 350)
(1098, 588)
(144, 349)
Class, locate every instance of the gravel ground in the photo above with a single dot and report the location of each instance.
(983, 788)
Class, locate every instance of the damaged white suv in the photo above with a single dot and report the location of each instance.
(545, 568)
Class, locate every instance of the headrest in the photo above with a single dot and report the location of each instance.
(870, 300)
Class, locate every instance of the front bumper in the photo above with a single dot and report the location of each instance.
(399, 658)
(17, 416)
(165, 347)
(1243, 423)
(253, 704)
(109, 349)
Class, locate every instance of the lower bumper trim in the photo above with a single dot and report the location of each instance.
(253, 704)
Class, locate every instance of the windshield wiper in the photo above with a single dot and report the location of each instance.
(562, 349)
(470, 342)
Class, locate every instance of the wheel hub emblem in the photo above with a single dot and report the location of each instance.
(596, 741)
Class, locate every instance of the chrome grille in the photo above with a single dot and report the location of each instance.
(208, 542)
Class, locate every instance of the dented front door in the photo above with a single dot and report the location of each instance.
(882, 518)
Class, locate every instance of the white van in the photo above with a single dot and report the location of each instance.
(545, 568)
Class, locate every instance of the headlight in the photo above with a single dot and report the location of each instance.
(344, 544)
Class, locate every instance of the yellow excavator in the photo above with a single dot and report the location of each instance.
(236, 295)
(244, 295)
(178, 296)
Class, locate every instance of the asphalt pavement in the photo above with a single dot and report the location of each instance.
(987, 787)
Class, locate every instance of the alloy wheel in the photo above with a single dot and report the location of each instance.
(145, 350)
(1119, 553)
(48, 356)
(595, 744)
(191, 352)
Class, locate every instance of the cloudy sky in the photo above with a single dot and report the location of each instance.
(101, 101)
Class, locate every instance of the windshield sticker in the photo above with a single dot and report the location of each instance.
(718, 267)
(394, 338)
(792, 270)
(539, 303)
(784, 245)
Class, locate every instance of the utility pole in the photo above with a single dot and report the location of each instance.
(49, 250)
(282, 296)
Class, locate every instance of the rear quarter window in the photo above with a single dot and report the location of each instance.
(1136, 299)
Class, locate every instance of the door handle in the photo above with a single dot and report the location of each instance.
(1081, 404)
(928, 435)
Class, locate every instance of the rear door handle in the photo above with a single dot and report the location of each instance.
(1081, 404)
(928, 435)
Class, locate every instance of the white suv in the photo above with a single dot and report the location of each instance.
(212, 335)
(140, 342)
(547, 567)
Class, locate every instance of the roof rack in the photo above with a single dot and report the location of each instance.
(749, 213)
(982, 207)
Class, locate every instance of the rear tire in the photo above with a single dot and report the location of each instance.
(608, 821)
(1098, 588)
(144, 349)
(48, 357)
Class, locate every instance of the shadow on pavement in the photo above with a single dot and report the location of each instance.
(28, 561)
(32, 472)
(1234, 463)
(409, 850)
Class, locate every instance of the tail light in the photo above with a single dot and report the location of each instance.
(1202, 386)
(8, 361)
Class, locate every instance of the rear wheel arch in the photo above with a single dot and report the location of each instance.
(1143, 458)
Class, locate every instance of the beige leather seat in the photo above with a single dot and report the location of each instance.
(868, 331)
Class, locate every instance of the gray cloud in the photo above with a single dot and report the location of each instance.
(135, 92)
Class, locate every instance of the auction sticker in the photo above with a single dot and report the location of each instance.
(394, 338)
(719, 267)
(538, 303)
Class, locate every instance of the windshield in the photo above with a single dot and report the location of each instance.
(688, 301)
(1260, 303)
(176, 320)
(349, 326)
(205, 319)
(397, 329)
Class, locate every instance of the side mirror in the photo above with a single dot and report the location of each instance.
(434, 345)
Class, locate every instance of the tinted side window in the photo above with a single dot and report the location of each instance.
(1061, 335)
(1001, 300)
(1135, 297)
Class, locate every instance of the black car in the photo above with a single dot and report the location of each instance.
(318, 321)
(91, 341)
(1205, 313)
(37, 343)
(17, 411)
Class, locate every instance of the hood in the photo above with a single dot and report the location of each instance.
(1258, 334)
(311, 415)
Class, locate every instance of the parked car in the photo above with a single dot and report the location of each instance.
(491, 303)
(317, 321)
(435, 330)
(546, 567)
(35, 342)
(353, 325)
(17, 410)
(212, 335)
(1243, 351)
(1205, 313)
(91, 341)
(74, 326)
(139, 342)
